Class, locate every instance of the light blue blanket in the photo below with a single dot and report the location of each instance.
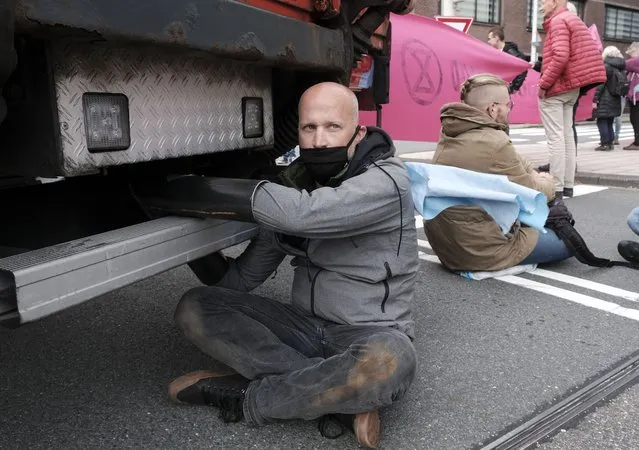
(435, 188)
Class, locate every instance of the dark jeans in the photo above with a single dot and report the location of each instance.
(549, 249)
(302, 367)
(634, 120)
(606, 130)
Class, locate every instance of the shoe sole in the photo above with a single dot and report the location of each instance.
(630, 257)
(183, 382)
(368, 429)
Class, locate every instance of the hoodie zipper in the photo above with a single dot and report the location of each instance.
(389, 274)
(313, 291)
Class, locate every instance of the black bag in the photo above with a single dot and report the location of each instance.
(618, 83)
(561, 221)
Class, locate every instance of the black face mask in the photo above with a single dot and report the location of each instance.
(324, 163)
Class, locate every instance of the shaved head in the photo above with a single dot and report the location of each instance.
(333, 96)
(329, 117)
(489, 94)
(482, 96)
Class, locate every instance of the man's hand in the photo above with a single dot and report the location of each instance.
(542, 93)
(594, 105)
(546, 176)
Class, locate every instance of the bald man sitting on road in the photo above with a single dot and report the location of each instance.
(466, 238)
(343, 347)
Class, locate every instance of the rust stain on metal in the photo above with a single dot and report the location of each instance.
(176, 32)
(289, 53)
(247, 47)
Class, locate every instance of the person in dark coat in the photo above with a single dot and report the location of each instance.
(606, 104)
(496, 39)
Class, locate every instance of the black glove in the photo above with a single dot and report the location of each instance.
(211, 268)
(558, 214)
(197, 196)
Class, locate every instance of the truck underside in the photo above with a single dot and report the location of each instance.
(98, 94)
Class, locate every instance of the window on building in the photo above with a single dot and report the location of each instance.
(483, 11)
(580, 4)
(621, 24)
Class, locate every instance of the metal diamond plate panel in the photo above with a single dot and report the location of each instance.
(178, 105)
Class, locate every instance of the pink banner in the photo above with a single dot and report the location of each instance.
(429, 62)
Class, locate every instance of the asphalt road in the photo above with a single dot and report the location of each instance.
(491, 354)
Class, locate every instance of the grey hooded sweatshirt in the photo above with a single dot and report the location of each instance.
(354, 245)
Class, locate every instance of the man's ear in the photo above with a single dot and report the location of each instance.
(361, 134)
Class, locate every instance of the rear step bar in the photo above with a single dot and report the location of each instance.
(41, 282)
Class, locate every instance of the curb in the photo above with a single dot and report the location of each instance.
(603, 179)
(515, 126)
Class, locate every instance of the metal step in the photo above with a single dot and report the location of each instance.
(51, 279)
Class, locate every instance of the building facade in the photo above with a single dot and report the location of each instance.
(617, 20)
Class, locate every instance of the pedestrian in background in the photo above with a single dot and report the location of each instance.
(632, 67)
(571, 61)
(497, 39)
(607, 99)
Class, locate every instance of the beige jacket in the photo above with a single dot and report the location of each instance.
(466, 237)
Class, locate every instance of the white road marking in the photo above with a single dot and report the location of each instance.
(586, 284)
(554, 291)
(423, 243)
(585, 189)
(575, 297)
(528, 132)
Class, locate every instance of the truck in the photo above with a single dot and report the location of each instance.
(97, 95)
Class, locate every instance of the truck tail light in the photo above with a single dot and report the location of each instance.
(106, 122)
(253, 117)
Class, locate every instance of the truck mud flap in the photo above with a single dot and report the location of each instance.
(38, 283)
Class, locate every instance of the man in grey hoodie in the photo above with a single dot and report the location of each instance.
(343, 347)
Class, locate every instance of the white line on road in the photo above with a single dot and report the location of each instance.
(575, 297)
(423, 243)
(554, 291)
(585, 189)
(587, 284)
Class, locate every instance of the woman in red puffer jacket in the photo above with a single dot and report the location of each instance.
(571, 63)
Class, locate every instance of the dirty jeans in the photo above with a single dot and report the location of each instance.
(302, 367)
(556, 116)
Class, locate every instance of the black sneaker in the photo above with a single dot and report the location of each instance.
(206, 387)
(568, 192)
(544, 168)
(629, 250)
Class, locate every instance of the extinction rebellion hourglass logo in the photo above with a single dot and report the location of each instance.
(422, 72)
